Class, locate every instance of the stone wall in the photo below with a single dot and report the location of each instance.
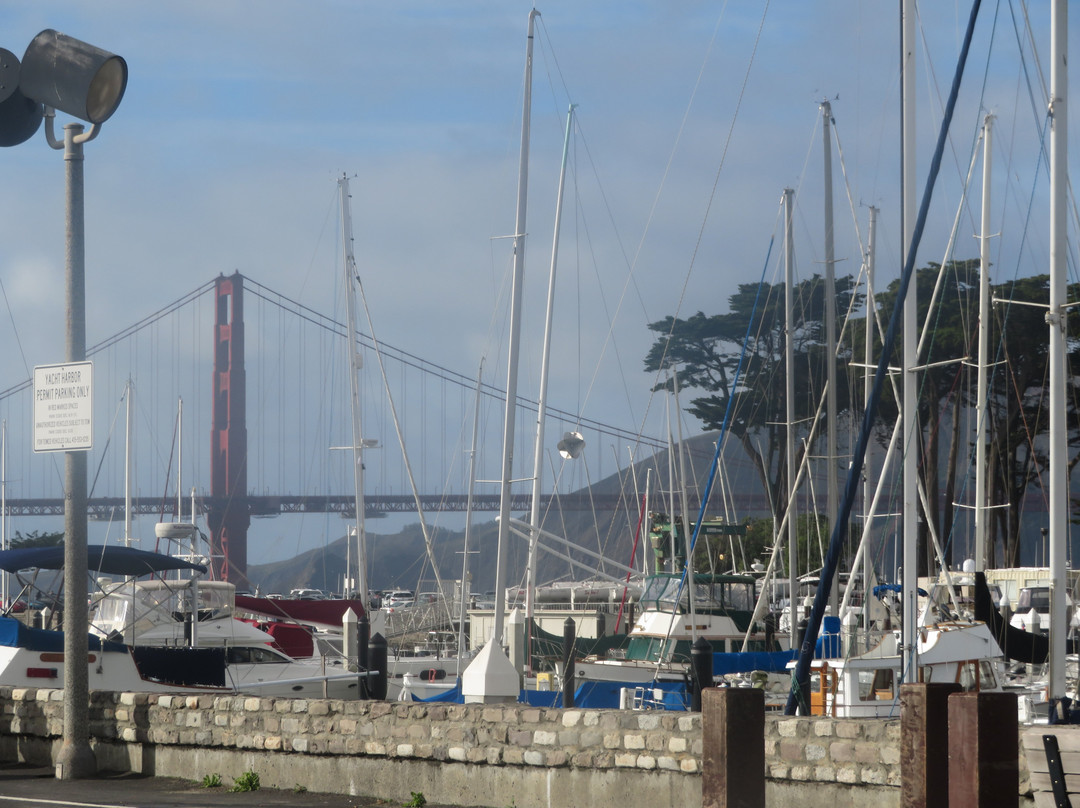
(491, 755)
(530, 756)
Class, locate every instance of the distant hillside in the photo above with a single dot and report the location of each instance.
(400, 560)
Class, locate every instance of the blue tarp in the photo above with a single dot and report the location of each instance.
(596, 695)
(100, 558)
(591, 695)
(739, 662)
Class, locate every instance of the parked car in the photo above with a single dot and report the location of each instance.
(398, 599)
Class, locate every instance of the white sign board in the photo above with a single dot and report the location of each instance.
(63, 407)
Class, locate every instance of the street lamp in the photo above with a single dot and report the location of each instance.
(59, 72)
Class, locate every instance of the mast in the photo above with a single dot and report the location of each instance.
(541, 408)
(3, 509)
(687, 530)
(515, 336)
(910, 568)
(354, 366)
(468, 520)
(127, 465)
(830, 339)
(868, 562)
(789, 403)
(1059, 482)
(982, 419)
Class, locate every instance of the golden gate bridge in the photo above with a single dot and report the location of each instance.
(268, 407)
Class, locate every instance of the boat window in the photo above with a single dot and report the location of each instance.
(263, 655)
(882, 683)
(866, 685)
(987, 680)
(967, 674)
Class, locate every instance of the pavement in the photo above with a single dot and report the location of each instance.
(23, 786)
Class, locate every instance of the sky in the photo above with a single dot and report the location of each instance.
(691, 119)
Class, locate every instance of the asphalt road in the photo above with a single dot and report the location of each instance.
(36, 787)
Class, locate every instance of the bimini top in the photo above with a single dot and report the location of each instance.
(100, 558)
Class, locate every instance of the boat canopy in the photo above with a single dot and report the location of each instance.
(100, 558)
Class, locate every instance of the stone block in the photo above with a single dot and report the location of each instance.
(842, 752)
(667, 763)
(648, 721)
(533, 757)
(634, 741)
(513, 756)
(847, 774)
(788, 728)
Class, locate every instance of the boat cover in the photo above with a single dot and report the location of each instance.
(100, 558)
(591, 695)
(747, 661)
(15, 634)
(329, 612)
(1017, 644)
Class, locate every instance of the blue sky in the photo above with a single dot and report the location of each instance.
(693, 118)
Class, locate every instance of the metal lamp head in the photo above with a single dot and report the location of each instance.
(67, 74)
(571, 445)
(19, 116)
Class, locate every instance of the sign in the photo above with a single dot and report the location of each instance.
(63, 407)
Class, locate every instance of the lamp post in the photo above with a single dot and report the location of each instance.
(59, 72)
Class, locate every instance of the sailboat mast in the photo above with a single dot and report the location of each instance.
(981, 415)
(830, 337)
(1059, 481)
(515, 337)
(468, 520)
(789, 403)
(871, 258)
(127, 464)
(910, 566)
(541, 408)
(355, 363)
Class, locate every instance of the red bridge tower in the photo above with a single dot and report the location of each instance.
(228, 515)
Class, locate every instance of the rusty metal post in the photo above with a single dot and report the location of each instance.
(924, 743)
(984, 770)
(733, 748)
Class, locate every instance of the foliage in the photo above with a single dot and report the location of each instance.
(211, 781)
(299, 789)
(248, 781)
(706, 351)
(35, 538)
(418, 800)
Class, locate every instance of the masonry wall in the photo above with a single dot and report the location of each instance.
(460, 754)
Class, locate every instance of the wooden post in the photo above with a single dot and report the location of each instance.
(733, 748)
(984, 770)
(924, 743)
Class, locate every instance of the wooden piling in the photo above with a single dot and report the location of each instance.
(984, 769)
(733, 748)
(924, 743)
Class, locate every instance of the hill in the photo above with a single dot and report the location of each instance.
(400, 559)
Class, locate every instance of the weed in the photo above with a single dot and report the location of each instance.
(299, 789)
(248, 781)
(418, 800)
(211, 781)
